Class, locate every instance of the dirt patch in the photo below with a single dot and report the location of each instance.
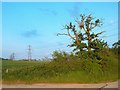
(44, 85)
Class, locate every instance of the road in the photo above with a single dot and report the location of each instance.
(46, 85)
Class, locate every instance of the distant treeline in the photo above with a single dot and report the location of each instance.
(4, 59)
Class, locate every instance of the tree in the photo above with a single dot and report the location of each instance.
(60, 55)
(116, 47)
(82, 36)
(116, 44)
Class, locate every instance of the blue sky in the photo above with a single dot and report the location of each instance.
(60, 0)
(1, 29)
(36, 24)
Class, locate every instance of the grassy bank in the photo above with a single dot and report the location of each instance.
(73, 71)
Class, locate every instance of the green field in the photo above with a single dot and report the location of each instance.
(73, 71)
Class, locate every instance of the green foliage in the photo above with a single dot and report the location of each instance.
(84, 39)
(98, 45)
(116, 48)
(59, 55)
(71, 70)
(63, 56)
(116, 44)
(92, 61)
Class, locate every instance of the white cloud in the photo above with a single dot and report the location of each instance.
(112, 22)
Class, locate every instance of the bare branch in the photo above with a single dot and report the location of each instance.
(78, 33)
(66, 35)
(76, 20)
(92, 27)
(79, 23)
(71, 37)
(69, 34)
(85, 30)
(99, 33)
(83, 17)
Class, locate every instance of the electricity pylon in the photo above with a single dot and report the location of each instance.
(29, 53)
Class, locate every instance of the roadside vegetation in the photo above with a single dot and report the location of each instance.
(91, 61)
(62, 69)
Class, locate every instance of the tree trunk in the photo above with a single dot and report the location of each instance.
(89, 42)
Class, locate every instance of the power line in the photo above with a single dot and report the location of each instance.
(108, 25)
(111, 35)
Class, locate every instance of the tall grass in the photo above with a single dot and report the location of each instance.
(65, 69)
